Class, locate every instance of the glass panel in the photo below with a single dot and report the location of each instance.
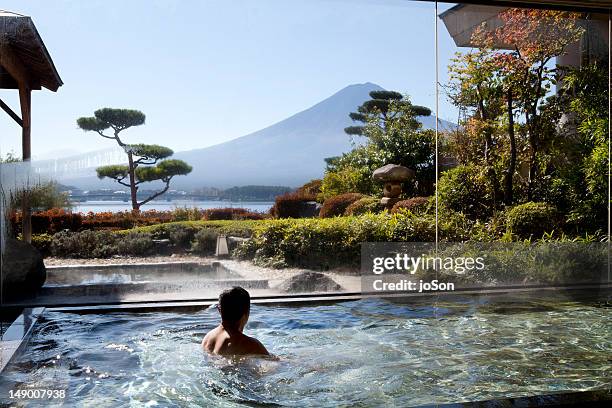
(527, 162)
(320, 91)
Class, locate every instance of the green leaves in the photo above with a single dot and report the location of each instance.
(120, 118)
(164, 171)
(150, 151)
(114, 171)
(387, 95)
(92, 124)
(354, 130)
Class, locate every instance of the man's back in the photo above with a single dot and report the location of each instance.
(227, 342)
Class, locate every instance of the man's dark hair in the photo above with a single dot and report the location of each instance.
(233, 304)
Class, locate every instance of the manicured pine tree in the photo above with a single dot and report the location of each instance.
(146, 163)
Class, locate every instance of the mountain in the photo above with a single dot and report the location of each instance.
(287, 153)
(290, 152)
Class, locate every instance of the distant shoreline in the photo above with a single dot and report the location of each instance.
(164, 205)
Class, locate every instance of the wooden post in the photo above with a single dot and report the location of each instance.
(25, 100)
(17, 70)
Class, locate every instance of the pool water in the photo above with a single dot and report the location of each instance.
(364, 353)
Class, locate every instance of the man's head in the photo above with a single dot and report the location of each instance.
(234, 306)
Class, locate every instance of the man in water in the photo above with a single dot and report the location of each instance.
(227, 338)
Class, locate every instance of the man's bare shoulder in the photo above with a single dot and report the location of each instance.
(255, 346)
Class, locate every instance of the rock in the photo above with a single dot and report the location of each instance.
(393, 173)
(309, 209)
(309, 282)
(23, 270)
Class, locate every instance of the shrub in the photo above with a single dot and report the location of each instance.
(42, 242)
(125, 219)
(466, 189)
(180, 236)
(310, 189)
(531, 219)
(414, 204)
(215, 214)
(85, 244)
(187, 214)
(335, 206)
(331, 242)
(291, 205)
(205, 242)
(100, 244)
(363, 206)
(134, 243)
(346, 180)
(49, 221)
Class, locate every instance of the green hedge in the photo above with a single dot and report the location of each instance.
(334, 242)
(531, 219)
(198, 236)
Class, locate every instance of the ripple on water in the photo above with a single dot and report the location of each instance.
(369, 352)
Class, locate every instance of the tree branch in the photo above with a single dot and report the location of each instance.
(103, 135)
(142, 160)
(120, 181)
(154, 196)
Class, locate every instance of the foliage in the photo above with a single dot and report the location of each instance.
(100, 244)
(205, 242)
(135, 244)
(41, 196)
(586, 178)
(42, 242)
(231, 214)
(414, 204)
(85, 244)
(531, 219)
(334, 242)
(113, 171)
(180, 237)
(49, 221)
(57, 219)
(187, 214)
(466, 189)
(291, 205)
(381, 110)
(393, 135)
(237, 228)
(311, 189)
(363, 206)
(336, 206)
(346, 179)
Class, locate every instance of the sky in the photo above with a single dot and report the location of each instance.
(208, 71)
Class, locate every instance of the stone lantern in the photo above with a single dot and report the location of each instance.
(393, 176)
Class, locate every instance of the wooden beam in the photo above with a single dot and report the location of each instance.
(14, 66)
(11, 113)
(25, 100)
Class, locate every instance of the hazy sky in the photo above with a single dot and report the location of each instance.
(212, 70)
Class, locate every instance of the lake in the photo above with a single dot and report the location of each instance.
(115, 206)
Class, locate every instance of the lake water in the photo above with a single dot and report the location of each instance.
(114, 206)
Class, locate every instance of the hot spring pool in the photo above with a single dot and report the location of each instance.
(367, 352)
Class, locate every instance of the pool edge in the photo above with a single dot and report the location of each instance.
(17, 336)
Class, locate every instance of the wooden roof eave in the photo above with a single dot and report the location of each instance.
(20, 42)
